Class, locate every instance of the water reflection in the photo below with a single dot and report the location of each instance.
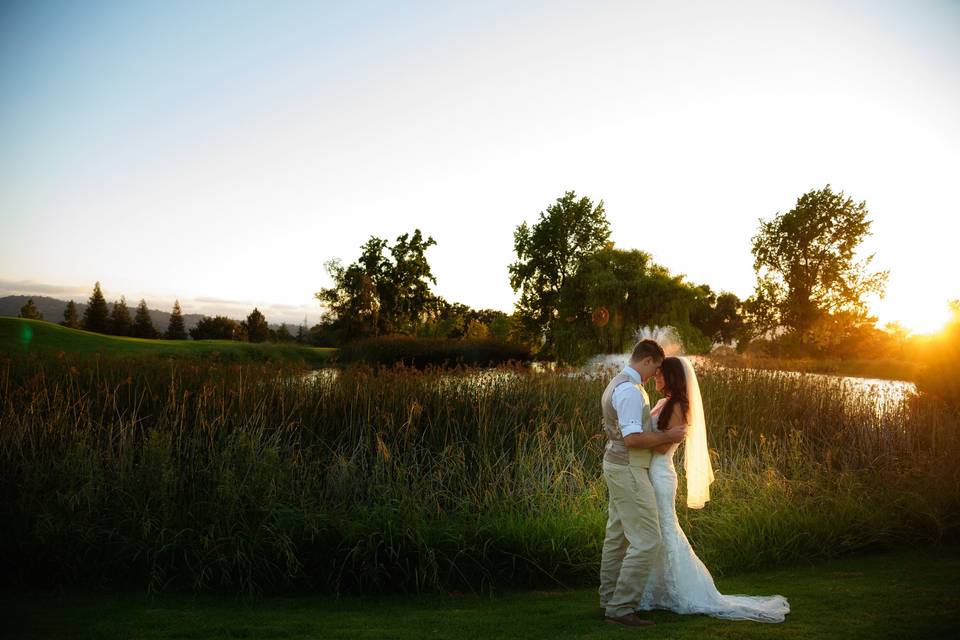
(883, 392)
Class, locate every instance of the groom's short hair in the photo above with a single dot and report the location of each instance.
(647, 349)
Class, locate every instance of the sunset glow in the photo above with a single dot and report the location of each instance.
(922, 319)
(222, 157)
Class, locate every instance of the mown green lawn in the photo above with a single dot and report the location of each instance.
(913, 594)
(18, 335)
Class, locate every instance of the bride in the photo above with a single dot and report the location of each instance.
(678, 580)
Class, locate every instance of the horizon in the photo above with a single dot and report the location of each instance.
(254, 144)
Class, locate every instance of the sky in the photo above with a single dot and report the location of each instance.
(221, 152)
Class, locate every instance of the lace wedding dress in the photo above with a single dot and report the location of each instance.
(678, 580)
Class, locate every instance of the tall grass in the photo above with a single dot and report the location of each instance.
(253, 478)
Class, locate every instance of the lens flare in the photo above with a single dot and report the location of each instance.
(26, 333)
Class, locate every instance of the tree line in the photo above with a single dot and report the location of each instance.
(99, 317)
(580, 295)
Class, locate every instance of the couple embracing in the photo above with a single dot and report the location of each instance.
(647, 561)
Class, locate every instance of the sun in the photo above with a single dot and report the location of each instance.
(925, 319)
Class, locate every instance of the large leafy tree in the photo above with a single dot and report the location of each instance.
(175, 328)
(387, 290)
(70, 316)
(807, 273)
(409, 278)
(120, 323)
(96, 317)
(142, 323)
(30, 311)
(549, 253)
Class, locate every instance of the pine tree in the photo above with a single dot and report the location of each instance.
(96, 316)
(283, 334)
(142, 324)
(70, 316)
(257, 329)
(30, 311)
(120, 324)
(302, 331)
(176, 330)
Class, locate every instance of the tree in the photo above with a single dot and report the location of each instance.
(30, 311)
(283, 334)
(142, 323)
(120, 323)
(549, 254)
(380, 294)
(216, 328)
(302, 333)
(614, 293)
(70, 316)
(241, 332)
(175, 328)
(409, 278)
(806, 271)
(96, 317)
(476, 330)
(256, 327)
(718, 317)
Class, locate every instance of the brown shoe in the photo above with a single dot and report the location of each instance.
(630, 620)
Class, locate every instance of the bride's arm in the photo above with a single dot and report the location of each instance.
(675, 422)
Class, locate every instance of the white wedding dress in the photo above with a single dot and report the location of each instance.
(678, 580)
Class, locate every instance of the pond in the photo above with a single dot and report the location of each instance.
(883, 392)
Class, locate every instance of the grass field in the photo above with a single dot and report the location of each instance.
(248, 477)
(911, 594)
(19, 336)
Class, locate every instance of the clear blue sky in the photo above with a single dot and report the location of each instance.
(221, 152)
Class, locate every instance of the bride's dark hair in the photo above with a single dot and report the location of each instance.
(675, 383)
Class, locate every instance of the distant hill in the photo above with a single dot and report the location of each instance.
(53, 308)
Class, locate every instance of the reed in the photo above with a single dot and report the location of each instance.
(255, 478)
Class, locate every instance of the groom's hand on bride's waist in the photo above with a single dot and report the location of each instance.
(676, 434)
(652, 439)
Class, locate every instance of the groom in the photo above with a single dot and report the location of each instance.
(633, 527)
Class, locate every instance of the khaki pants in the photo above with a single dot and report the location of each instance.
(632, 539)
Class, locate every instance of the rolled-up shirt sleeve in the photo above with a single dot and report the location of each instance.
(628, 402)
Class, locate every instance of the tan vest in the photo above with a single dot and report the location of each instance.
(617, 452)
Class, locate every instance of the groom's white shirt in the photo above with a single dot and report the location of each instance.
(628, 401)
